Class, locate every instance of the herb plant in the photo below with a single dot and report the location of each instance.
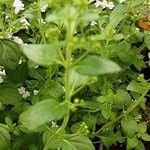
(72, 75)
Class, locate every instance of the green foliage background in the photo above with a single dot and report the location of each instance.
(65, 82)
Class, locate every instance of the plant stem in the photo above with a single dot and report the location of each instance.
(131, 108)
(67, 84)
(40, 23)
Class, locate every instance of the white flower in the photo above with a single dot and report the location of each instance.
(24, 21)
(43, 8)
(18, 5)
(97, 4)
(91, 1)
(21, 90)
(104, 4)
(110, 5)
(137, 29)
(1, 79)
(17, 39)
(26, 94)
(93, 23)
(2, 72)
(35, 92)
(121, 1)
(54, 124)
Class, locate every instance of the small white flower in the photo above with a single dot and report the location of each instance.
(43, 8)
(54, 124)
(91, 1)
(36, 66)
(2, 72)
(104, 4)
(18, 5)
(97, 4)
(121, 1)
(1, 79)
(111, 5)
(137, 29)
(93, 23)
(35, 92)
(17, 39)
(21, 90)
(26, 94)
(24, 21)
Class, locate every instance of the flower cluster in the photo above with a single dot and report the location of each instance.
(43, 8)
(18, 5)
(2, 73)
(23, 92)
(104, 4)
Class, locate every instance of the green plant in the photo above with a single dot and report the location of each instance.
(70, 72)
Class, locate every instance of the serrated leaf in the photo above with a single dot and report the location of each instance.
(42, 112)
(10, 54)
(146, 137)
(90, 120)
(123, 99)
(110, 139)
(140, 146)
(95, 65)
(136, 87)
(71, 142)
(142, 127)
(117, 15)
(136, 3)
(9, 94)
(4, 137)
(147, 41)
(76, 79)
(45, 55)
(131, 143)
(129, 126)
(106, 110)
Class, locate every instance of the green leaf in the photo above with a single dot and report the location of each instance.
(90, 120)
(140, 146)
(19, 74)
(106, 110)
(129, 126)
(45, 55)
(123, 99)
(91, 104)
(10, 54)
(147, 41)
(136, 87)
(42, 112)
(9, 94)
(136, 3)
(142, 127)
(124, 52)
(70, 142)
(76, 79)
(117, 15)
(146, 137)
(131, 143)
(110, 139)
(4, 137)
(95, 65)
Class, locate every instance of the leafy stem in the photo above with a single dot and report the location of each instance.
(40, 23)
(130, 109)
